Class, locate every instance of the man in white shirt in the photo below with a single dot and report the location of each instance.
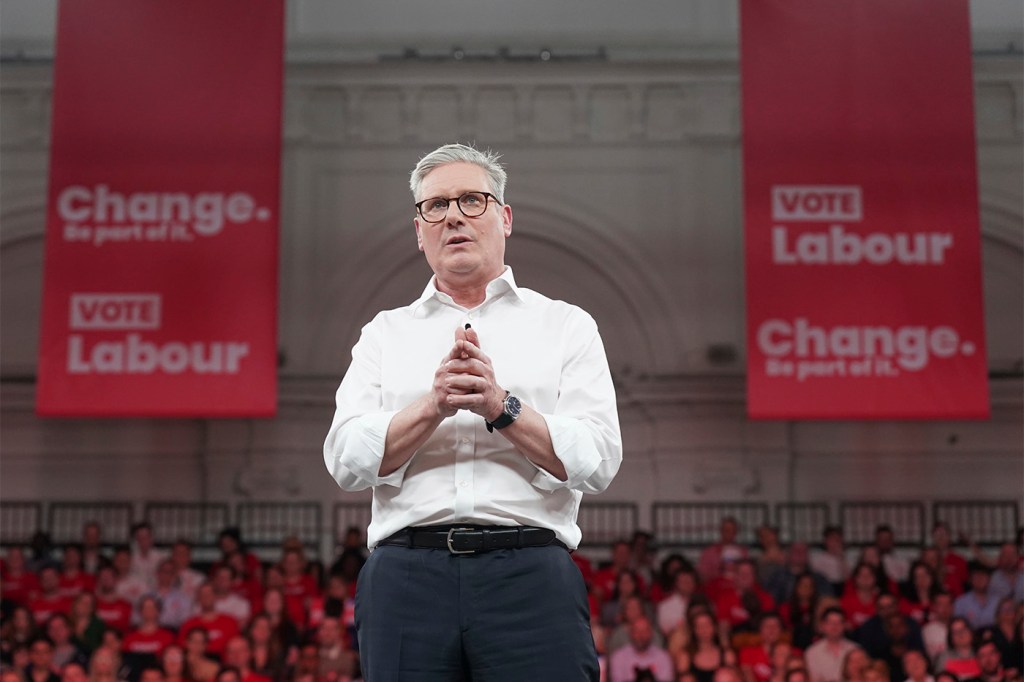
(640, 654)
(825, 657)
(226, 601)
(479, 415)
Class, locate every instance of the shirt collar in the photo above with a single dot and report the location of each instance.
(505, 282)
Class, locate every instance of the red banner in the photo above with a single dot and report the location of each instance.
(160, 286)
(863, 256)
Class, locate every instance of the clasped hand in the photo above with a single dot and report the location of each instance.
(465, 380)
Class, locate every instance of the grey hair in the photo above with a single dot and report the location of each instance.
(461, 153)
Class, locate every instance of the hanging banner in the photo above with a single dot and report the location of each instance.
(160, 284)
(863, 262)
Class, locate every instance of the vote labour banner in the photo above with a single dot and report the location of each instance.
(862, 239)
(160, 284)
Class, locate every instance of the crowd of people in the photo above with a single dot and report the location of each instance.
(735, 613)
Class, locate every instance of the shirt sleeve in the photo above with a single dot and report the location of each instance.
(584, 426)
(355, 443)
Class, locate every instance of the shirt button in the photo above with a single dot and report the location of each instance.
(471, 316)
(463, 484)
(465, 440)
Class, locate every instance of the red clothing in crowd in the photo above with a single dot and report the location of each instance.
(606, 579)
(916, 610)
(759, 662)
(954, 573)
(857, 611)
(115, 613)
(729, 605)
(253, 677)
(298, 593)
(43, 608)
(21, 588)
(251, 590)
(138, 642)
(73, 585)
(220, 628)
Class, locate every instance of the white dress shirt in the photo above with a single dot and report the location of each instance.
(547, 353)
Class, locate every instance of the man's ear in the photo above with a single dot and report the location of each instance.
(419, 235)
(506, 219)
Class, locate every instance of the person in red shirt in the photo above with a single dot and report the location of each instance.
(858, 602)
(17, 583)
(149, 638)
(74, 580)
(726, 550)
(954, 567)
(605, 579)
(247, 585)
(114, 611)
(742, 601)
(918, 593)
(299, 587)
(219, 627)
(757, 661)
(229, 541)
(49, 601)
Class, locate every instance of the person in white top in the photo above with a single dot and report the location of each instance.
(825, 657)
(915, 665)
(479, 415)
(226, 601)
(145, 556)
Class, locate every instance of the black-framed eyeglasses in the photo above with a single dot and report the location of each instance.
(472, 204)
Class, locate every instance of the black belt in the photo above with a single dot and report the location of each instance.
(472, 539)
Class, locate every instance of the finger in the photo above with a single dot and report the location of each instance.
(472, 337)
(466, 366)
(473, 352)
(466, 383)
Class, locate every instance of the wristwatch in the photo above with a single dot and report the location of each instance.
(512, 408)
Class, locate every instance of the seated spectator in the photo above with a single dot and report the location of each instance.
(42, 552)
(229, 541)
(299, 587)
(954, 566)
(111, 608)
(977, 606)
(830, 561)
(49, 602)
(756, 661)
(642, 556)
(152, 674)
(916, 668)
(797, 564)
(248, 586)
(226, 601)
(633, 607)
(796, 675)
(336, 602)
(219, 627)
(870, 555)
(105, 666)
(86, 627)
(672, 609)
(877, 671)
(990, 664)
(17, 583)
(901, 639)
(771, 558)
(18, 630)
(92, 547)
(336, 660)
(959, 656)
(641, 654)
(129, 586)
(149, 639)
(859, 600)
(238, 655)
(175, 605)
(727, 673)
(935, 632)
(627, 585)
(1008, 578)
(741, 602)
(41, 667)
(896, 567)
(145, 557)
(709, 566)
(662, 583)
(172, 663)
(65, 650)
(879, 633)
(704, 652)
(605, 578)
(799, 612)
(188, 578)
(73, 672)
(308, 667)
(270, 656)
(228, 674)
(285, 631)
(918, 593)
(353, 555)
(199, 665)
(1006, 635)
(825, 657)
(854, 664)
(73, 580)
(784, 657)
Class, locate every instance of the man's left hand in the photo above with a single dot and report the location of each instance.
(470, 381)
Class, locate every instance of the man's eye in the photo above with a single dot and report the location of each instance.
(436, 203)
(471, 199)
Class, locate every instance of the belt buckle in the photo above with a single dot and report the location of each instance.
(458, 551)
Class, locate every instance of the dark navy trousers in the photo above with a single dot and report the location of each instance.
(515, 615)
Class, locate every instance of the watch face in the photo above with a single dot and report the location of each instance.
(512, 406)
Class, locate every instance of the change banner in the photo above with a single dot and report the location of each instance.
(863, 263)
(160, 277)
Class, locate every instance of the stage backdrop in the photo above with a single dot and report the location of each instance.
(160, 285)
(862, 239)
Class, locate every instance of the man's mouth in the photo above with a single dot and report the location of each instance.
(457, 239)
